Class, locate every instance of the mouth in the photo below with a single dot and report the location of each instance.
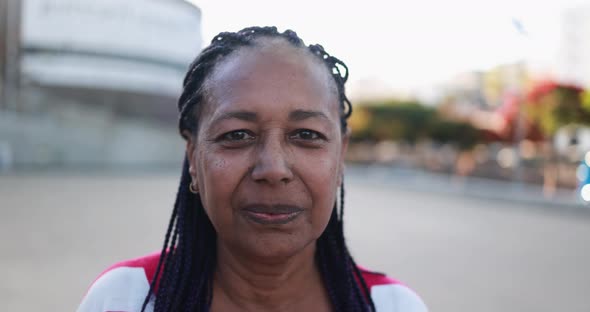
(272, 214)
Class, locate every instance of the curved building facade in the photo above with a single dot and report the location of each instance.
(97, 81)
(133, 45)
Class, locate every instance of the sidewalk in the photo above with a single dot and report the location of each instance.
(418, 180)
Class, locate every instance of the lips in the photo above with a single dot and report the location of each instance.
(272, 214)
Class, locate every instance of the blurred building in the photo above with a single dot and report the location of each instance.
(574, 56)
(503, 80)
(487, 89)
(467, 89)
(93, 82)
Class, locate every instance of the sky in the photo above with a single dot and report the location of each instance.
(405, 46)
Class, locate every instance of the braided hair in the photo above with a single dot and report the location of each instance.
(184, 273)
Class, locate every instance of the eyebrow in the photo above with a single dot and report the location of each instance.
(296, 115)
(241, 115)
(299, 115)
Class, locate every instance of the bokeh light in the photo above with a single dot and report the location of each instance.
(585, 192)
(506, 158)
(582, 172)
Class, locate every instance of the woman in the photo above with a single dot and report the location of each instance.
(255, 226)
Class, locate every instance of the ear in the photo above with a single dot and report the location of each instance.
(190, 154)
(344, 148)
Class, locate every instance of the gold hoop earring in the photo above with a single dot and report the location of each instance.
(193, 189)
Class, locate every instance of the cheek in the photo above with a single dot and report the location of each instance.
(320, 170)
(219, 175)
(320, 174)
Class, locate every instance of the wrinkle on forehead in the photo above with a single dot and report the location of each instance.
(280, 51)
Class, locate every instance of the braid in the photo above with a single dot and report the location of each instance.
(188, 258)
(163, 253)
(341, 275)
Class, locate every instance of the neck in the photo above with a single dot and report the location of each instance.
(243, 284)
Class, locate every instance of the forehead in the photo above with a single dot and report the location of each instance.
(272, 70)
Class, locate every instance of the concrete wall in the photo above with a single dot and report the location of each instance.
(97, 83)
(75, 136)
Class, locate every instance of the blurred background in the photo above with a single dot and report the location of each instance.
(467, 174)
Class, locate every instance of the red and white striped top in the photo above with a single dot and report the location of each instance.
(123, 287)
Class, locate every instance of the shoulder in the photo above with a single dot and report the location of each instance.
(121, 287)
(390, 295)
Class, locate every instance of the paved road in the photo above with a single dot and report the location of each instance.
(461, 254)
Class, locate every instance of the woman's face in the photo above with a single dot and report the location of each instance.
(268, 156)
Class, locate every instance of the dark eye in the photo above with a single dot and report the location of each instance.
(307, 135)
(237, 135)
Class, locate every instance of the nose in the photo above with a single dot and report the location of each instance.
(272, 164)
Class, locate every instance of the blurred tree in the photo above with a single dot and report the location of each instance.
(409, 122)
(391, 120)
(404, 121)
(551, 106)
(586, 100)
(463, 135)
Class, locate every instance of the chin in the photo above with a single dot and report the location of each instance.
(276, 249)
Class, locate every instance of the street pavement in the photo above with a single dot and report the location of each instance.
(460, 253)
